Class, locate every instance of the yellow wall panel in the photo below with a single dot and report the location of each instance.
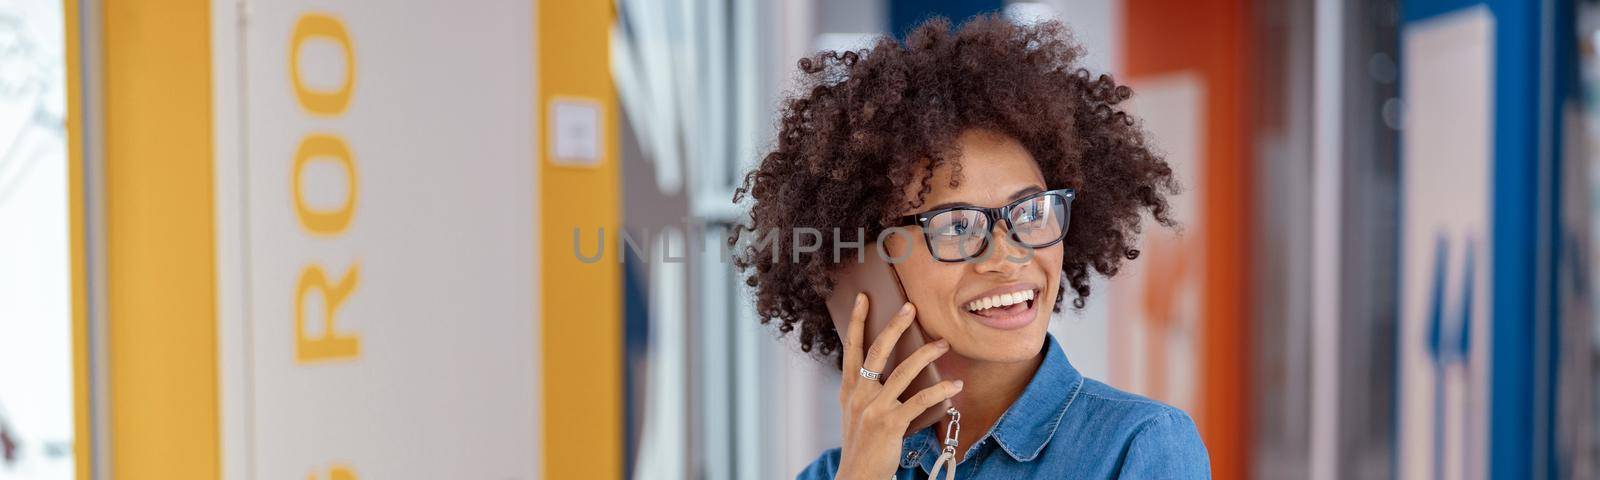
(581, 314)
(160, 260)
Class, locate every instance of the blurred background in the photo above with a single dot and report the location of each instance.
(369, 239)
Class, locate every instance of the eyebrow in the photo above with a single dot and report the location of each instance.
(1025, 191)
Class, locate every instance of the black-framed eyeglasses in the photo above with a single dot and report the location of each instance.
(957, 234)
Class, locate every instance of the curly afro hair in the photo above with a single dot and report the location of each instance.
(847, 147)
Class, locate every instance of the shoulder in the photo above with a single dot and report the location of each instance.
(1123, 409)
(823, 468)
(1151, 434)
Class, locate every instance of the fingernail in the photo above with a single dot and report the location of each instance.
(944, 343)
(905, 308)
(859, 298)
(958, 384)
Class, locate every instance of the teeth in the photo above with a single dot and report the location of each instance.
(1000, 300)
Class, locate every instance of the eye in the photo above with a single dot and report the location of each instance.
(1028, 212)
(957, 223)
(1031, 211)
(957, 227)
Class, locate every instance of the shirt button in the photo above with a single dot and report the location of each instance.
(911, 459)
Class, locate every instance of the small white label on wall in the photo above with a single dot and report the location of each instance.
(575, 132)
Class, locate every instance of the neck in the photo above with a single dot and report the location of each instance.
(988, 389)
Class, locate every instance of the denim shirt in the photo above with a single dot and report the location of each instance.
(1064, 426)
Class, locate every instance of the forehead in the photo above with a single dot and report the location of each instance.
(993, 166)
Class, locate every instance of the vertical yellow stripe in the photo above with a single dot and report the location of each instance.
(160, 260)
(76, 246)
(581, 315)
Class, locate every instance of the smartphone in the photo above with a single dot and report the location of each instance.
(876, 277)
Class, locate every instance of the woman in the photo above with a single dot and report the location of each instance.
(947, 128)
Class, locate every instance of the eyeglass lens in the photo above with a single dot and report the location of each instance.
(962, 233)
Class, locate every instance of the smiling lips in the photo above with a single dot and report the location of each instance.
(1004, 311)
(1000, 300)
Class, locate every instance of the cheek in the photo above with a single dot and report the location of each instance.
(930, 285)
(1049, 260)
(1052, 258)
(923, 283)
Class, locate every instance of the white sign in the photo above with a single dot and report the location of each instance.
(377, 216)
(1446, 159)
(1154, 334)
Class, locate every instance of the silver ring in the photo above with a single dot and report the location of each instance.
(870, 375)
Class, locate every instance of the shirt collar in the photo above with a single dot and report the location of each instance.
(1030, 422)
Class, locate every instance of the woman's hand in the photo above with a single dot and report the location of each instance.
(875, 420)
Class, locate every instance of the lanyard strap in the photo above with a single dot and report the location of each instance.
(947, 456)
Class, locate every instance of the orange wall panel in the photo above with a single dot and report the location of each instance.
(1208, 38)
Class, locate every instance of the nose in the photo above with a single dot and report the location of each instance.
(1004, 256)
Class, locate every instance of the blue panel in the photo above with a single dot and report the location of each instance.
(1522, 379)
(636, 343)
(906, 14)
(1515, 211)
